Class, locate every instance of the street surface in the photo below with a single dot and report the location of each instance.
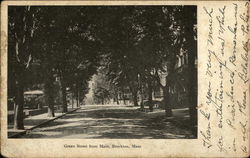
(117, 122)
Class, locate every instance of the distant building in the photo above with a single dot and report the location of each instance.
(179, 86)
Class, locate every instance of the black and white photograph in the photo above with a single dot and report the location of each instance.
(102, 72)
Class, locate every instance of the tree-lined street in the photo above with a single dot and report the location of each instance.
(107, 121)
(141, 60)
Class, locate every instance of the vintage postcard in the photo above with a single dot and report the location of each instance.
(125, 78)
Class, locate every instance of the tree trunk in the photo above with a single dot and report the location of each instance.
(123, 97)
(166, 89)
(117, 98)
(142, 97)
(102, 100)
(166, 100)
(48, 91)
(19, 102)
(64, 95)
(134, 93)
(72, 100)
(192, 94)
(77, 97)
(150, 90)
(192, 78)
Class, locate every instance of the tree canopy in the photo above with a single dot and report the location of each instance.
(135, 45)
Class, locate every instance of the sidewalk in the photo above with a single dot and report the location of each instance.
(34, 122)
(182, 113)
(180, 118)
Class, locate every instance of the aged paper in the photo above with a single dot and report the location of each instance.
(223, 91)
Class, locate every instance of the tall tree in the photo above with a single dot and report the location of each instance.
(123, 56)
(189, 25)
(21, 25)
(68, 47)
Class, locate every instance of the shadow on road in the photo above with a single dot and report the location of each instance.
(111, 123)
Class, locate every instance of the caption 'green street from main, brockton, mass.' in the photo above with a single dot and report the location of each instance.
(101, 146)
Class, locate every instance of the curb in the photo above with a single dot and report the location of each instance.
(41, 124)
